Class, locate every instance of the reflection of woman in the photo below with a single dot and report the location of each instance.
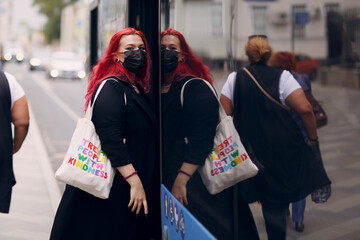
(196, 121)
(290, 168)
(286, 61)
(125, 124)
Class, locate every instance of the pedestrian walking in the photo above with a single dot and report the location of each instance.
(126, 125)
(286, 61)
(13, 110)
(188, 136)
(260, 97)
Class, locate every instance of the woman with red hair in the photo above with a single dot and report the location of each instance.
(125, 123)
(188, 131)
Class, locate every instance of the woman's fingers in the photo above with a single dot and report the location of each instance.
(131, 202)
(185, 201)
(146, 211)
(138, 207)
(134, 206)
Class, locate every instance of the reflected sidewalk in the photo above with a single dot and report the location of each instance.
(36, 194)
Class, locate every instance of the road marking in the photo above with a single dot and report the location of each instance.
(48, 90)
(334, 231)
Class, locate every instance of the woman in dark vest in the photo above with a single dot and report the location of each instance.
(13, 110)
(289, 167)
(126, 125)
(196, 121)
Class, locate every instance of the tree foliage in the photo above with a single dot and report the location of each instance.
(52, 10)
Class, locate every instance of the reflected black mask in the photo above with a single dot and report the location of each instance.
(134, 60)
(169, 60)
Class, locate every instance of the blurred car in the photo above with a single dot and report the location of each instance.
(306, 64)
(65, 65)
(38, 60)
(14, 51)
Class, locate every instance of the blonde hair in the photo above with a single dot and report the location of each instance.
(258, 49)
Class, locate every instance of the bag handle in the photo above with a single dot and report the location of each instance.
(221, 109)
(89, 110)
(262, 89)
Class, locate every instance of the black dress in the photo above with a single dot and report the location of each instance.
(83, 216)
(197, 121)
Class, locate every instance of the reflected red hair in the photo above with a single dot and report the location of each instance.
(283, 61)
(107, 66)
(192, 64)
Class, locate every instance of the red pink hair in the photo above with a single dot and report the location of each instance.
(108, 67)
(192, 64)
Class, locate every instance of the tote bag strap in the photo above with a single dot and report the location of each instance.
(89, 110)
(263, 90)
(221, 109)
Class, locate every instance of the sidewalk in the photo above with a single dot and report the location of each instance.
(36, 194)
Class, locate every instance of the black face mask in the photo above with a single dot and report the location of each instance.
(134, 60)
(169, 60)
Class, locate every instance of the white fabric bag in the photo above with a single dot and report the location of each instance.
(85, 166)
(228, 162)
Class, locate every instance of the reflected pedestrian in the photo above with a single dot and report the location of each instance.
(125, 123)
(188, 136)
(13, 110)
(286, 61)
(289, 169)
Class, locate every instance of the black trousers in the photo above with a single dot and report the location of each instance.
(275, 220)
(5, 201)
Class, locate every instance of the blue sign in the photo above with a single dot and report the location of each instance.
(301, 18)
(178, 222)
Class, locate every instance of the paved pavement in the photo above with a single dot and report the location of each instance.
(36, 194)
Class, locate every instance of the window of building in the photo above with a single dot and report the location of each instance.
(259, 19)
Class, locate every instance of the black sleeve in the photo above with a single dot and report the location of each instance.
(109, 120)
(201, 109)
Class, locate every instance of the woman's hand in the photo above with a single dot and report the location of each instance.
(179, 188)
(137, 192)
(137, 195)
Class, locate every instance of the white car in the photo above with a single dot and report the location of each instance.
(65, 65)
(38, 60)
(14, 51)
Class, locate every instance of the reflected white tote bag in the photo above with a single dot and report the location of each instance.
(85, 166)
(228, 162)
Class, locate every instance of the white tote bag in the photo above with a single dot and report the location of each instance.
(228, 162)
(85, 166)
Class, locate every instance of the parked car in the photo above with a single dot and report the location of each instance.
(14, 51)
(306, 64)
(65, 65)
(38, 60)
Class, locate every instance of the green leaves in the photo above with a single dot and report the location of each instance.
(52, 10)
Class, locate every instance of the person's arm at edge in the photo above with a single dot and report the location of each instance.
(20, 118)
(298, 102)
(227, 105)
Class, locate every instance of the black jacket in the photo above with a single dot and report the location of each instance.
(83, 216)
(196, 120)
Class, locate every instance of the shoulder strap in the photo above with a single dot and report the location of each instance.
(183, 88)
(266, 94)
(89, 110)
(221, 109)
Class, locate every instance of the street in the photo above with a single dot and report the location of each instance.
(57, 104)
